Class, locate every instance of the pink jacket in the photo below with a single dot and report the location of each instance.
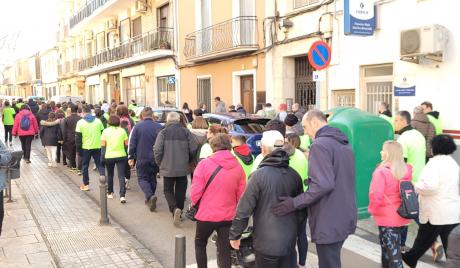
(222, 195)
(33, 129)
(384, 197)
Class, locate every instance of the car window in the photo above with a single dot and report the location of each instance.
(159, 116)
(214, 121)
(249, 126)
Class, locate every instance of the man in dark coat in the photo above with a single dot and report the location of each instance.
(69, 145)
(173, 151)
(140, 151)
(331, 198)
(33, 106)
(274, 238)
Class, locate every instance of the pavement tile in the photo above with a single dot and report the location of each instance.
(40, 258)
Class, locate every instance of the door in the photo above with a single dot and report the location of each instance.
(305, 87)
(247, 93)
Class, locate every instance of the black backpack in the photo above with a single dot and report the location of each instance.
(409, 208)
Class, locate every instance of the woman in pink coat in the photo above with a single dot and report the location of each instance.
(218, 203)
(384, 200)
(26, 131)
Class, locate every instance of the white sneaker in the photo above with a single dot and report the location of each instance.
(54, 165)
(110, 196)
(122, 200)
(50, 165)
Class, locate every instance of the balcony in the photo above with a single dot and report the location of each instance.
(69, 68)
(134, 49)
(231, 37)
(86, 11)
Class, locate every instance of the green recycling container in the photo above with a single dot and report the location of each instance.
(366, 133)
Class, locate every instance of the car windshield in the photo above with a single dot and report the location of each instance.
(250, 125)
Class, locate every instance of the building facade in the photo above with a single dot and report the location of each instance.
(49, 72)
(221, 52)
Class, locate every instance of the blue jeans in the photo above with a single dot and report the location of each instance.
(86, 157)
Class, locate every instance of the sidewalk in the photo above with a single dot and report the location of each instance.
(68, 222)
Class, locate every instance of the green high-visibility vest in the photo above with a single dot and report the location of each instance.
(389, 119)
(437, 123)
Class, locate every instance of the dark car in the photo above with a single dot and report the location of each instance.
(249, 126)
(160, 114)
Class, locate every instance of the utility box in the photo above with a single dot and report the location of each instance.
(366, 134)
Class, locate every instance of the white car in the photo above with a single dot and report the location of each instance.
(61, 99)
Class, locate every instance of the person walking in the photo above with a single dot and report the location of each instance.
(220, 105)
(331, 190)
(298, 111)
(68, 134)
(140, 153)
(88, 142)
(242, 152)
(438, 190)
(433, 116)
(173, 151)
(217, 185)
(8, 122)
(114, 141)
(127, 123)
(60, 116)
(33, 106)
(274, 238)
(25, 126)
(292, 125)
(421, 123)
(51, 136)
(385, 198)
(385, 113)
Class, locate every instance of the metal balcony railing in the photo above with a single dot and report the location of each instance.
(235, 33)
(86, 11)
(148, 42)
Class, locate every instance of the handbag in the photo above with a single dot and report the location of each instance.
(193, 209)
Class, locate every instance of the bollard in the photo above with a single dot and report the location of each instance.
(103, 197)
(10, 198)
(179, 254)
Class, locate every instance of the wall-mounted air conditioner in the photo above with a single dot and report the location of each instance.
(427, 42)
(141, 6)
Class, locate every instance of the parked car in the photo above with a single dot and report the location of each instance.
(237, 124)
(160, 114)
(61, 99)
(36, 98)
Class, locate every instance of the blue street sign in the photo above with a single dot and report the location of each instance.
(319, 55)
(359, 17)
(404, 91)
(171, 80)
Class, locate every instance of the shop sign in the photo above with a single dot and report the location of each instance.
(359, 17)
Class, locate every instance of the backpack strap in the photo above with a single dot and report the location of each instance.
(207, 184)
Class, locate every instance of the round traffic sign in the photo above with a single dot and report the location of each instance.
(319, 55)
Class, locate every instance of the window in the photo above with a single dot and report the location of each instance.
(204, 91)
(100, 42)
(137, 27)
(125, 31)
(166, 91)
(343, 98)
(377, 86)
(304, 3)
(162, 14)
(135, 89)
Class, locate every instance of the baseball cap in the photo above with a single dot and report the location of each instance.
(272, 138)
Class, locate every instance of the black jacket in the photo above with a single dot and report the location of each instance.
(69, 128)
(272, 235)
(42, 115)
(50, 133)
(33, 107)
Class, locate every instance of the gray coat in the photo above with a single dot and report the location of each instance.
(331, 197)
(174, 150)
(5, 158)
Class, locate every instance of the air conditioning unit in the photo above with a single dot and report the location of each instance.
(425, 42)
(111, 24)
(141, 6)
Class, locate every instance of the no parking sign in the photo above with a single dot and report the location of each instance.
(319, 55)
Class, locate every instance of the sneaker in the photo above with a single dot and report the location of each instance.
(177, 217)
(127, 184)
(79, 172)
(110, 196)
(94, 167)
(122, 200)
(64, 163)
(152, 203)
(84, 187)
(27, 161)
(438, 251)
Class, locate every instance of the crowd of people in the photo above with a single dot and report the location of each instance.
(305, 173)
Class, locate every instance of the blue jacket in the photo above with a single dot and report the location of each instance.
(142, 140)
(331, 197)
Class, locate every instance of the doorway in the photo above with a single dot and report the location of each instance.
(305, 87)
(247, 92)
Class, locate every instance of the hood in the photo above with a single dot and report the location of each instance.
(225, 159)
(435, 114)
(48, 123)
(332, 132)
(31, 103)
(89, 118)
(421, 117)
(243, 152)
(278, 158)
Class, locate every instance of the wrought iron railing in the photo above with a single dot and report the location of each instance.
(158, 39)
(86, 11)
(234, 33)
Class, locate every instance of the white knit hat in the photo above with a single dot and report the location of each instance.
(271, 138)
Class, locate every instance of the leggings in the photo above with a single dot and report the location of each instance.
(8, 130)
(390, 239)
